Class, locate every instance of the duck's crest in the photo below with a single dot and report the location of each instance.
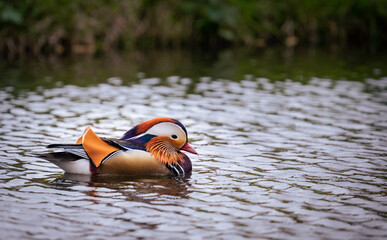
(145, 126)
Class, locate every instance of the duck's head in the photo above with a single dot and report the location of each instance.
(164, 138)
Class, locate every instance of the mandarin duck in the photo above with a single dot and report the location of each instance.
(150, 148)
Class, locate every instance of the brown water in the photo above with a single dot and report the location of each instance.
(278, 159)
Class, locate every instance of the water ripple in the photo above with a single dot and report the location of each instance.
(278, 160)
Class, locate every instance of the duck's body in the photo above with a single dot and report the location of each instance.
(150, 148)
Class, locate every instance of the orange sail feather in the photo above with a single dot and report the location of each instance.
(95, 147)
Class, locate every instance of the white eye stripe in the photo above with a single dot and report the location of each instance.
(167, 129)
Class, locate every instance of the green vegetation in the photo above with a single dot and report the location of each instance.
(61, 26)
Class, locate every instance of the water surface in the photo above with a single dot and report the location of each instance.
(281, 156)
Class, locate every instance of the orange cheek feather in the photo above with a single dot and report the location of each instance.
(164, 150)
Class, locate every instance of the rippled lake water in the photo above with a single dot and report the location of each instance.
(285, 159)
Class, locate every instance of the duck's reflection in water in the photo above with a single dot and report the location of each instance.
(133, 188)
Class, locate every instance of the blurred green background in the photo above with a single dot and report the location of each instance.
(82, 26)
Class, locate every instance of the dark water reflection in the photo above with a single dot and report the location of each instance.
(278, 159)
(274, 64)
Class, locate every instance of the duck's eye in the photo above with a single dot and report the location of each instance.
(174, 136)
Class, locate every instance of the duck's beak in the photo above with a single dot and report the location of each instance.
(188, 148)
